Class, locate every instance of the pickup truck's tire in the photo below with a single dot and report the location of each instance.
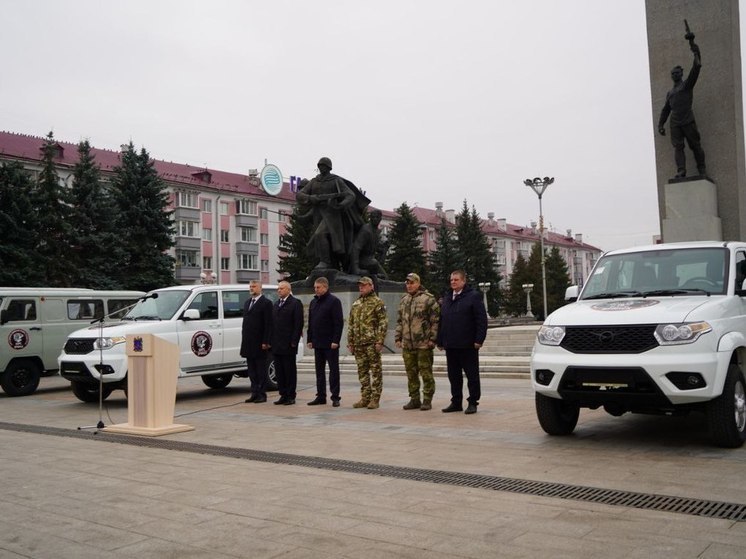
(271, 376)
(556, 417)
(86, 392)
(21, 378)
(217, 381)
(726, 414)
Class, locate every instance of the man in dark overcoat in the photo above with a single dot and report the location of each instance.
(256, 332)
(325, 322)
(287, 328)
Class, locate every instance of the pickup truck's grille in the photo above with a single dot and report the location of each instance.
(609, 339)
(79, 346)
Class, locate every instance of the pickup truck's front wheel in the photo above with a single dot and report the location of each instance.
(217, 381)
(556, 416)
(86, 392)
(726, 414)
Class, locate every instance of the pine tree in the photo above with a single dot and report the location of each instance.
(20, 264)
(533, 271)
(95, 241)
(515, 296)
(405, 248)
(443, 260)
(297, 261)
(52, 215)
(143, 223)
(558, 279)
(476, 257)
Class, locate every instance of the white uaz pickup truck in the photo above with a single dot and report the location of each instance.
(203, 320)
(658, 329)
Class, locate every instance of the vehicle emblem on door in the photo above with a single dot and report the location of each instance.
(201, 343)
(18, 339)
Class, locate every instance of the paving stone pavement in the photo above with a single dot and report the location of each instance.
(86, 497)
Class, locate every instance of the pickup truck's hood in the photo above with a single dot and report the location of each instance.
(115, 328)
(650, 310)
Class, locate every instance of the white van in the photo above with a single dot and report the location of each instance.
(35, 321)
(203, 320)
(658, 329)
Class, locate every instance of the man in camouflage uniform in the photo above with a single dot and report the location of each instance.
(416, 333)
(366, 331)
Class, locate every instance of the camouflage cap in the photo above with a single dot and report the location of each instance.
(365, 279)
(413, 277)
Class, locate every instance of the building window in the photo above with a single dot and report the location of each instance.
(223, 208)
(246, 207)
(225, 263)
(207, 206)
(264, 239)
(187, 258)
(248, 234)
(207, 262)
(247, 262)
(263, 213)
(187, 228)
(186, 200)
(265, 265)
(207, 234)
(224, 236)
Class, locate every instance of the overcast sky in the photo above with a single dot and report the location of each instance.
(414, 101)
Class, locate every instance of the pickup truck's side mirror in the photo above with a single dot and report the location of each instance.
(190, 314)
(4, 316)
(571, 293)
(741, 290)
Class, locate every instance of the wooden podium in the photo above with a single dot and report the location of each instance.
(153, 368)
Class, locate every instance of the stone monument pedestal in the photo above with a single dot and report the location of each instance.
(691, 211)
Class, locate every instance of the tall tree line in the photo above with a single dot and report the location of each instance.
(94, 233)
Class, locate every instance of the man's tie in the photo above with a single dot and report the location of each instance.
(252, 303)
(282, 302)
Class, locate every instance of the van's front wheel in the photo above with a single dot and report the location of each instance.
(21, 378)
(88, 393)
(726, 414)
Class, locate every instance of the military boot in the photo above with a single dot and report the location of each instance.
(411, 405)
(426, 405)
(373, 404)
(362, 403)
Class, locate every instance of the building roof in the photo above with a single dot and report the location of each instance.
(26, 147)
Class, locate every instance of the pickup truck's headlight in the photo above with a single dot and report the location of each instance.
(686, 333)
(551, 335)
(108, 343)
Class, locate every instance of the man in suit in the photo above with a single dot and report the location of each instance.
(325, 322)
(256, 331)
(463, 328)
(287, 327)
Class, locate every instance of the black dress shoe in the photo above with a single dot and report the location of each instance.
(335, 403)
(471, 408)
(260, 400)
(317, 402)
(288, 402)
(452, 408)
(251, 399)
(280, 402)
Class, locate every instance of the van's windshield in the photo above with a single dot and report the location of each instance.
(695, 271)
(162, 307)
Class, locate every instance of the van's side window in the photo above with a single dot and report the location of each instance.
(119, 307)
(207, 305)
(740, 269)
(22, 310)
(233, 302)
(85, 309)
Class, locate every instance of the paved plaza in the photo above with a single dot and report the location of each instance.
(84, 495)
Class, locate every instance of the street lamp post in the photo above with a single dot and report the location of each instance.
(484, 287)
(527, 287)
(539, 185)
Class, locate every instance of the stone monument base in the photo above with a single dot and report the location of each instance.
(691, 211)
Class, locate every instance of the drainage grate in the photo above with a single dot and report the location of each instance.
(682, 505)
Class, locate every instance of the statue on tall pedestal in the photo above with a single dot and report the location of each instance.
(679, 106)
